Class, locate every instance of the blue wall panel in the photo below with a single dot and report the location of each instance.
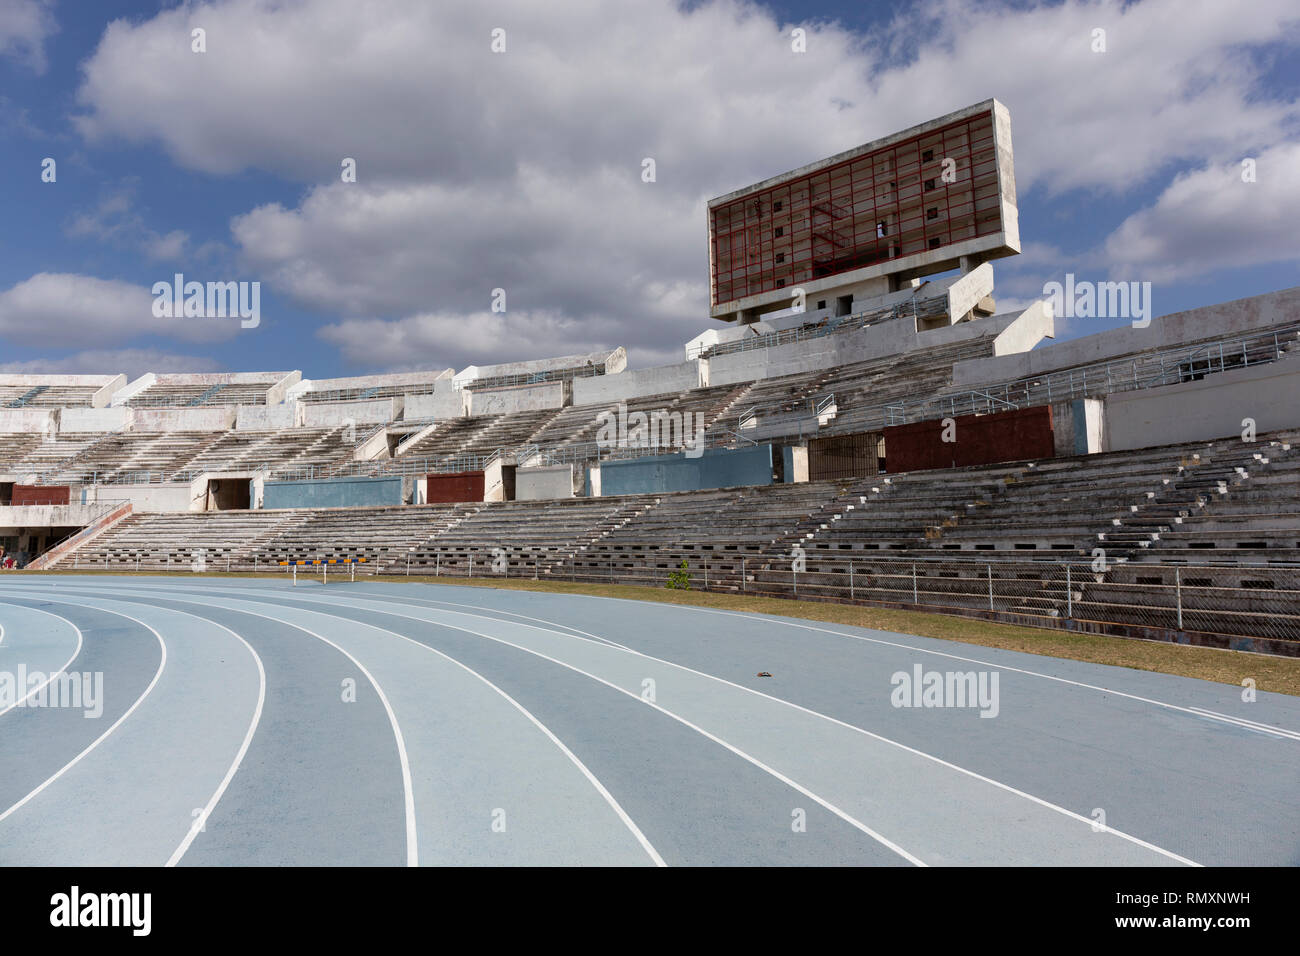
(332, 493)
(716, 468)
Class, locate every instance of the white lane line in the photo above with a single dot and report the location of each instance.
(577, 762)
(939, 760)
(62, 670)
(768, 619)
(243, 747)
(912, 750)
(248, 737)
(858, 824)
(408, 793)
(1248, 724)
(970, 660)
(423, 602)
(117, 723)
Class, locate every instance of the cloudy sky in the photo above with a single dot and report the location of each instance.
(521, 169)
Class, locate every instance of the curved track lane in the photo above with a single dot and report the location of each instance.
(383, 723)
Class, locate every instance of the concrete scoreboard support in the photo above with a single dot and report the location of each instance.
(866, 222)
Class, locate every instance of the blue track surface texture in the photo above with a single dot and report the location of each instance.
(151, 721)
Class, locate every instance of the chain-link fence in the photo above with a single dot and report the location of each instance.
(1246, 600)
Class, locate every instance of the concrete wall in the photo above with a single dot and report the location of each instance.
(1244, 316)
(144, 498)
(46, 378)
(220, 378)
(613, 360)
(277, 392)
(1212, 408)
(547, 481)
(373, 411)
(498, 481)
(132, 389)
(716, 468)
(1078, 426)
(966, 291)
(360, 382)
(96, 419)
(520, 398)
(216, 418)
(332, 493)
(661, 380)
(106, 392)
(795, 463)
(29, 419)
(886, 338)
(445, 401)
(1024, 332)
(13, 517)
(268, 417)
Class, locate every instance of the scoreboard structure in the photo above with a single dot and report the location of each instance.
(862, 223)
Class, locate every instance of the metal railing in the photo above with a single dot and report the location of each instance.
(1256, 606)
(535, 378)
(811, 406)
(1166, 367)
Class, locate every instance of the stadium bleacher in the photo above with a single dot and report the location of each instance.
(992, 536)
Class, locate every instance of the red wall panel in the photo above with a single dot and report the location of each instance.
(980, 440)
(40, 495)
(457, 486)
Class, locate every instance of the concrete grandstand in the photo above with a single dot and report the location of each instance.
(922, 450)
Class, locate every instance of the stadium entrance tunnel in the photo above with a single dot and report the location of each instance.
(229, 493)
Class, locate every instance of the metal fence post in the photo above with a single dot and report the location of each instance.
(1178, 593)
(324, 574)
(706, 575)
(794, 578)
(990, 570)
(437, 564)
(295, 575)
(1069, 594)
(742, 575)
(915, 598)
(471, 564)
(353, 568)
(851, 594)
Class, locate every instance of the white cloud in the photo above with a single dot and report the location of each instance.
(114, 219)
(170, 247)
(1210, 219)
(53, 309)
(24, 27)
(522, 170)
(130, 362)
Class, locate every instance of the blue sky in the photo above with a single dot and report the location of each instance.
(521, 170)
